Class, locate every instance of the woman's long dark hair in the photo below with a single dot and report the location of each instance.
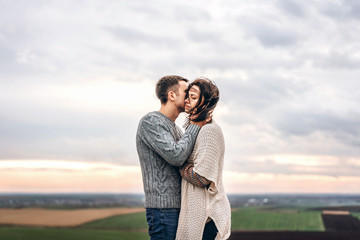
(209, 97)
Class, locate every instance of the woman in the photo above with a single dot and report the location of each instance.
(205, 210)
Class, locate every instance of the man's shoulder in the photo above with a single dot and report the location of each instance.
(153, 118)
(155, 115)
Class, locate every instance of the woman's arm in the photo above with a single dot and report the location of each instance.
(187, 172)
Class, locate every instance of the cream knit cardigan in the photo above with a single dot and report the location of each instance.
(199, 204)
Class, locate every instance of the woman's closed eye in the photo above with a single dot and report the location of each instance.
(193, 97)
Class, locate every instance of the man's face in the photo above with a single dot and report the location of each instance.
(180, 97)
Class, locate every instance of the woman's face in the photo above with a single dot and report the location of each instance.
(193, 98)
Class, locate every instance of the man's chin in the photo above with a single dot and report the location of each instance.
(181, 109)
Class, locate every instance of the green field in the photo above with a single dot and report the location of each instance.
(17, 233)
(134, 226)
(356, 214)
(294, 219)
(134, 221)
(129, 226)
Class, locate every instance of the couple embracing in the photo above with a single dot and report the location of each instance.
(182, 172)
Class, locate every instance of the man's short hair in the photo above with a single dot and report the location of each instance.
(166, 84)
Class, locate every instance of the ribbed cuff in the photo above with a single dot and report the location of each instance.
(193, 129)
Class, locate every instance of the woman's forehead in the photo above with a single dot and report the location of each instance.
(194, 89)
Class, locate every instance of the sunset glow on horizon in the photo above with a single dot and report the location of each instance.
(40, 176)
(76, 78)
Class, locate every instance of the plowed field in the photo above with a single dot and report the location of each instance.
(58, 218)
(339, 223)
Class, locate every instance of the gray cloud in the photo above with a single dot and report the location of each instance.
(135, 37)
(202, 36)
(261, 92)
(78, 136)
(6, 55)
(342, 168)
(342, 10)
(305, 123)
(287, 71)
(190, 14)
(146, 10)
(272, 36)
(272, 29)
(336, 59)
(292, 7)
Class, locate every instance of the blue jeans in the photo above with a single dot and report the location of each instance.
(162, 223)
(210, 231)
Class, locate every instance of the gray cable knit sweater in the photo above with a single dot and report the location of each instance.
(162, 147)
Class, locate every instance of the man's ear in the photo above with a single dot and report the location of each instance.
(171, 96)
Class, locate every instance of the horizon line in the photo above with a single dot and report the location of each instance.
(132, 193)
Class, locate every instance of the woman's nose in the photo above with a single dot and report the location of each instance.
(186, 100)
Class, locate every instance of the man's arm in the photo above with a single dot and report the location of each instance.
(156, 135)
(188, 173)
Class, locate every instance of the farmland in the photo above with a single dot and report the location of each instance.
(136, 221)
(133, 225)
(59, 218)
(295, 219)
(124, 226)
(253, 217)
(22, 233)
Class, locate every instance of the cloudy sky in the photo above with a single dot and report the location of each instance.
(76, 77)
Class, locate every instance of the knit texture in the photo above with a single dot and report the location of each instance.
(162, 147)
(200, 204)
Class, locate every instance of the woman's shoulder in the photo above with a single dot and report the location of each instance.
(211, 128)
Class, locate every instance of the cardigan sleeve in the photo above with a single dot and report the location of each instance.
(210, 154)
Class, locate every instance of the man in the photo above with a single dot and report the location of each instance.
(162, 148)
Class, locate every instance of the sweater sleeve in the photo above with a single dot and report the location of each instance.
(157, 136)
(188, 173)
(209, 155)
